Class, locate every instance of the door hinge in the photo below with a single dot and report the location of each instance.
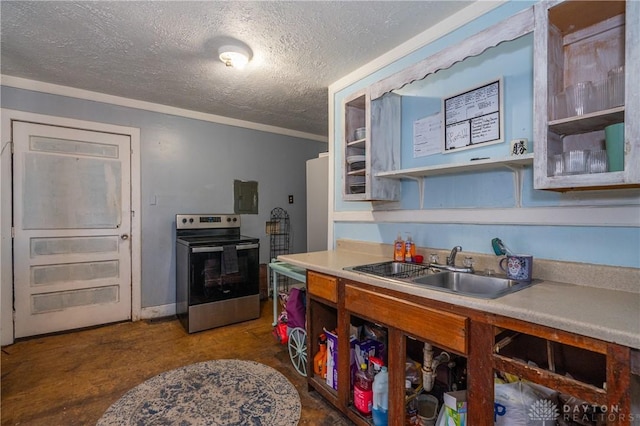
(13, 232)
(133, 213)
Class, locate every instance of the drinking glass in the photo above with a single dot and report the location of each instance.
(558, 165)
(575, 162)
(597, 161)
(599, 97)
(615, 86)
(578, 98)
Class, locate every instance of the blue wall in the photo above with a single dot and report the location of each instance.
(470, 192)
(188, 166)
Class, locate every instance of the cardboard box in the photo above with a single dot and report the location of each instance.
(368, 348)
(456, 407)
(332, 358)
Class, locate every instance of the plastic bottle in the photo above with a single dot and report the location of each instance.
(320, 359)
(380, 406)
(409, 249)
(363, 391)
(412, 406)
(398, 249)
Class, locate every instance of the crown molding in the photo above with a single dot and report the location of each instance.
(71, 92)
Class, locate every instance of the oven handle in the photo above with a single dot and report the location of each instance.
(219, 248)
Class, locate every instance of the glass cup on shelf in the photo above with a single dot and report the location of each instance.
(597, 162)
(433, 258)
(575, 162)
(615, 86)
(578, 98)
(558, 165)
(599, 97)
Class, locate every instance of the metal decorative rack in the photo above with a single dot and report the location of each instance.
(279, 231)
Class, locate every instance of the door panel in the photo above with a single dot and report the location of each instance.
(72, 254)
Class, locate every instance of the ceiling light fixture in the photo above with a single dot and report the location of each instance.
(234, 56)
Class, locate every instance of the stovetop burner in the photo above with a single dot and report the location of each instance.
(210, 230)
(208, 240)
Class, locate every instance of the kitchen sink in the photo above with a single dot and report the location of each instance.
(483, 286)
(467, 284)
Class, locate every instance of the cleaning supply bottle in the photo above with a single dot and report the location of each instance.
(409, 249)
(398, 249)
(363, 390)
(411, 416)
(380, 405)
(320, 360)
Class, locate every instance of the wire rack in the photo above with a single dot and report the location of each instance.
(393, 269)
(279, 230)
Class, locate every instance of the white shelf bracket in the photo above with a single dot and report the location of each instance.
(517, 182)
(420, 182)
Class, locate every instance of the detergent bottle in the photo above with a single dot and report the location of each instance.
(320, 360)
(409, 249)
(362, 390)
(398, 249)
(380, 405)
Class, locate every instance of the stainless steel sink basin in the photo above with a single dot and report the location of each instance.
(487, 287)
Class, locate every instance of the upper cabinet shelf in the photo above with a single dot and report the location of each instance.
(470, 166)
(588, 122)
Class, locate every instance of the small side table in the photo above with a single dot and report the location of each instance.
(288, 270)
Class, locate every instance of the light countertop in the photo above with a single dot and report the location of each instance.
(601, 313)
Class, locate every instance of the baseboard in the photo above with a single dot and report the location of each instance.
(158, 311)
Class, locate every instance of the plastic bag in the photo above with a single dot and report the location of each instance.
(413, 372)
(296, 308)
(524, 404)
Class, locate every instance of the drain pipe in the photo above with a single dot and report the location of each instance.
(430, 364)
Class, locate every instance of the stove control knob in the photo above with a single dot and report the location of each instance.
(190, 220)
(235, 219)
(228, 219)
(184, 220)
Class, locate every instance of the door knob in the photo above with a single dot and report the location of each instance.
(124, 236)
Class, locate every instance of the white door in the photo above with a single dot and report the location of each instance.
(72, 221)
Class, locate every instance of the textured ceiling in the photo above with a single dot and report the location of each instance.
(166, 52)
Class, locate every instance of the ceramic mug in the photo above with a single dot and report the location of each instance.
(519, 267)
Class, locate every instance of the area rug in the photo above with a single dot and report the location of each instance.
(219, 392)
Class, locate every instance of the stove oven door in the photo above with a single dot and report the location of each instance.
(212, 279)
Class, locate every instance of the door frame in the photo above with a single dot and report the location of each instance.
(6, 209)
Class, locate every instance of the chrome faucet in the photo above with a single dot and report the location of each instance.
(451, 259)
(451, 263)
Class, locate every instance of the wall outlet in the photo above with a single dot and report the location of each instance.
(290, 199)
